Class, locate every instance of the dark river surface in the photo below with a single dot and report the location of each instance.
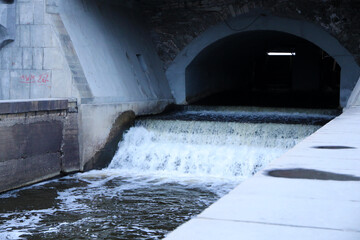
(168, 169)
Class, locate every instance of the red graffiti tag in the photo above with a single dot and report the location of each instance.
(41, 79)
(27, 78)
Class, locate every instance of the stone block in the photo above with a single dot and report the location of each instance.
(37, 35)
(39, 10)
(4, 84)
(53, 59)
(26, 12)
(52, 6)
(75, 91)
(21, 172)
(20, 84)
(16, 42)
(42, 36)
(30, 139)
(16, 58)
(40, 86)
(11, 58)
(38, 56)
(17, 16)
(5, 55)
(27, 106)
(48, 18)
(70, 159)
(61, 83)
(25, 40)
(27, 58)
(51, 105)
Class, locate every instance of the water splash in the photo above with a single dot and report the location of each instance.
(205, 149)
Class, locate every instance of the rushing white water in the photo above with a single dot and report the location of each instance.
(205, 149)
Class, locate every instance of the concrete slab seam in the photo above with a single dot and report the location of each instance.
(276, 224)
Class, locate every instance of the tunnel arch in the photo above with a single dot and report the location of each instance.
(263, 68)
(350, 71)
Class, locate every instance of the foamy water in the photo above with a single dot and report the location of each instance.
(205, 149)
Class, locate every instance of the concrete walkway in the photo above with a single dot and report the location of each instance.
(291, 204)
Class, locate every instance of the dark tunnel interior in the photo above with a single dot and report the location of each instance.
(240, 70)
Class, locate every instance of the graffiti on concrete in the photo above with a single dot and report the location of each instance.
(42, 79)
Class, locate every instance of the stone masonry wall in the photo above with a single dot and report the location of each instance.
(38, 140)
(33, 65)
(174, 24)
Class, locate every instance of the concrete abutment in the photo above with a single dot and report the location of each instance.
(102, 125)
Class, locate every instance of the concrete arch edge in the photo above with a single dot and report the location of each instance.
(350, 70)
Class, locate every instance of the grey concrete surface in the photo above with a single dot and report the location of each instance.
(267, 207)
(119, 58)
(115, 70)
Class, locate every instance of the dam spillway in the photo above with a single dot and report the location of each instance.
(165, 171)
(210, 148)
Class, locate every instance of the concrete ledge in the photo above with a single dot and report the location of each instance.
(32, 105)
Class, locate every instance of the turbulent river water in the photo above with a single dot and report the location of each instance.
(167, 169)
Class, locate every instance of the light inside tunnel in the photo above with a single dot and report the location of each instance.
(263, 68)
(281, 53)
